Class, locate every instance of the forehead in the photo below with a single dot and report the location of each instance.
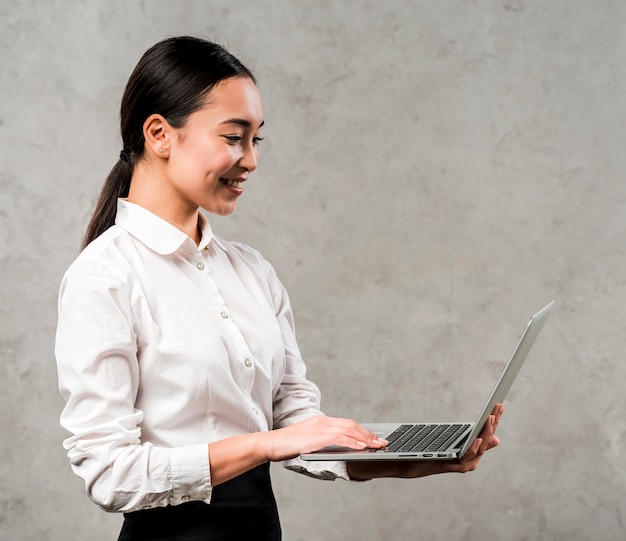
(236, 97)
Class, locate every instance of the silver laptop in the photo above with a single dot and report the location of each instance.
(444, 441)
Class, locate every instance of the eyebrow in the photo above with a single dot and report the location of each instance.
(241, 122)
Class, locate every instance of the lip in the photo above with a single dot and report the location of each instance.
(234, 185)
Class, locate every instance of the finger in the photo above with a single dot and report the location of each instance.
(358, 443)
(497, 412)
(368, 438)
(361, 436)
(371, 439)
(486, 434)
(472, 452)
(495, 441)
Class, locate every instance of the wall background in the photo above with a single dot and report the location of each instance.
(433, 173)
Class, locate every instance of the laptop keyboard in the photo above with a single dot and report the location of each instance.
(423, 438)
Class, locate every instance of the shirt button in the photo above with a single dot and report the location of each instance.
(248, 363)
(224, 315)
(200, 266)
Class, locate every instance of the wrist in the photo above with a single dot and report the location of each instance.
(266, 445)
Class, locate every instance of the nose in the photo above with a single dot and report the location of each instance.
(250, 158)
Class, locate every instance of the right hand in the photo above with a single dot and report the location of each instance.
(363, 470)
(316, 433)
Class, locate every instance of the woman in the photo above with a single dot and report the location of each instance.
(176, 351)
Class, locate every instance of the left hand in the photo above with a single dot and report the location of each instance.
(411, 469)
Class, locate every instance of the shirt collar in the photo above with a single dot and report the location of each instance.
(155, 232)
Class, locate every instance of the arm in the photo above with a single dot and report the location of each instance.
(412, 469)
(98, 371)
(297, 423)
(233, 456)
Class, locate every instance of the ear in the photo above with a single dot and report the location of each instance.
(157, 134)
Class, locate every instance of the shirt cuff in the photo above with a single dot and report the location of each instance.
(319, 469)
(190, 474)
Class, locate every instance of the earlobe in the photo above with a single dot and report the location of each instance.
(156, 132)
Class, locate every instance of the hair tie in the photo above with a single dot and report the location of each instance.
(125, 156)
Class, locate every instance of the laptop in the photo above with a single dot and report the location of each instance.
(443, 441)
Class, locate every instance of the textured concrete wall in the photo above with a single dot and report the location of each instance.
(433, 172)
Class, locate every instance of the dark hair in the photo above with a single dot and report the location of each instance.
(172, 79)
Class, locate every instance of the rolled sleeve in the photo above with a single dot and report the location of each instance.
(190, 474)
(98, 371)
(324, 470)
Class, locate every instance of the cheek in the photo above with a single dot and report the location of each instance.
(221, 160)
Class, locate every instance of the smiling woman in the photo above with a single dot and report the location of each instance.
(176, 349)
(171, 83)
(203, 163)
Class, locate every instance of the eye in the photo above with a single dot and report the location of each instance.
(236, 139)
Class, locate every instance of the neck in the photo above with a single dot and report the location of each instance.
(148, 190)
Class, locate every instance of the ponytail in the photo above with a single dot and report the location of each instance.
(115, 186)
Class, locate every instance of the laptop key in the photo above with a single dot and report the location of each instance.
(407, 435)
(434, 434)
(446, 438)
(420, 436)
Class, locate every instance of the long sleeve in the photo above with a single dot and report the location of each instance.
(99, 374)
(164, 347)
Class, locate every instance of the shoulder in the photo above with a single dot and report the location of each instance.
(242, 251)
(107, 254)
(242, 254)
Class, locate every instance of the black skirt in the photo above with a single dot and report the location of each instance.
(242, 508)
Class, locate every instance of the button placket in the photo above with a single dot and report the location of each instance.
(201, 266)
(246, 370)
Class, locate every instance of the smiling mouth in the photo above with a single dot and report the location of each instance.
(232, 183)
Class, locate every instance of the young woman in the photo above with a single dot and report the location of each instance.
(176, 350)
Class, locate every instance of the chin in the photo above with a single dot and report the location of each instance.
(221, 211)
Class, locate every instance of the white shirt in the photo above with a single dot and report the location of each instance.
(163, 347)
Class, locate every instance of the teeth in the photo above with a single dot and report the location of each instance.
(233, 183)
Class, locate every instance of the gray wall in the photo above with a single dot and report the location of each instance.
(433, 172)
